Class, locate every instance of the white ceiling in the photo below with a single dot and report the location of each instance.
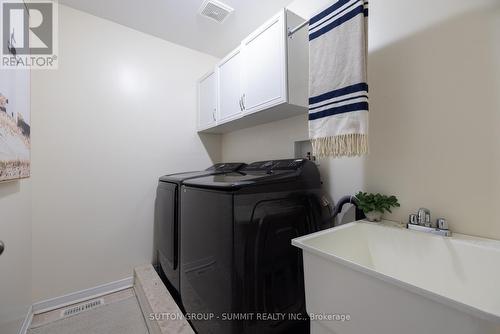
(178, 20)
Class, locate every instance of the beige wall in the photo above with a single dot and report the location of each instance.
(117, 114)
(435, 102)
(434, 73)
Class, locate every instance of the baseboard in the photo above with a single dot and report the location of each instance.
(27, 321)
(81, 296)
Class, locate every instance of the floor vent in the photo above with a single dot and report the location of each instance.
(215, 10)
(82, 307)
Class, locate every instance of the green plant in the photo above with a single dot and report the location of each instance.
(376, 202)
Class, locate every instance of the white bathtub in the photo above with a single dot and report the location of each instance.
(389, 280)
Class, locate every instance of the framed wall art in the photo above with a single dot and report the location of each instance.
(15, 128)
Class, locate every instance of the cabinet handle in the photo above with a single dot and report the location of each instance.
(243, 101)
(213, 115)
(241, 104)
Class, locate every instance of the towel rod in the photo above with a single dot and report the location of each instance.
(297, 28)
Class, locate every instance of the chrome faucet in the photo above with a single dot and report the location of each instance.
(422, 222)
(424, 217)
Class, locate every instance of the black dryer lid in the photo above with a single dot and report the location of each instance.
(215, 169)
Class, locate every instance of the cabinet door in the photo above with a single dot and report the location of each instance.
(229, 87)
(264, 66)
(207, 101)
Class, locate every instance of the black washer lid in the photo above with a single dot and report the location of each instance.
(286, 164)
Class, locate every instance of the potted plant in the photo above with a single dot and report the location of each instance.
(374, 205)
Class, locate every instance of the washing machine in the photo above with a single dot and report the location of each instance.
(167, 218)
(239, 272)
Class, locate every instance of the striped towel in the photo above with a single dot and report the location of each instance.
(338, 89)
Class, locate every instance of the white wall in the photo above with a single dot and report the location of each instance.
(117, 114)
(268, 141)
(15, 262)
(15, 220)
(434, 74)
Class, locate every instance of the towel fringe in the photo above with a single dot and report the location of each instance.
(349, 145)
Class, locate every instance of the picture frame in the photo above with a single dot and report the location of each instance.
(15, 124)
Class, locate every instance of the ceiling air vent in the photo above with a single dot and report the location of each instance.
(215, 10)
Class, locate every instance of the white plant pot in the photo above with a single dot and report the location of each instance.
(374, 216)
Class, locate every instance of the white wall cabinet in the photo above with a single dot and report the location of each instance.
(265, 79)
(229, 91)
(264, 66)
(207, 101)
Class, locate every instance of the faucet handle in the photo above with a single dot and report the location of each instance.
(424, 217)
(442, 224)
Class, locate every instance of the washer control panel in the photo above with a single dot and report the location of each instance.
(270, 165)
